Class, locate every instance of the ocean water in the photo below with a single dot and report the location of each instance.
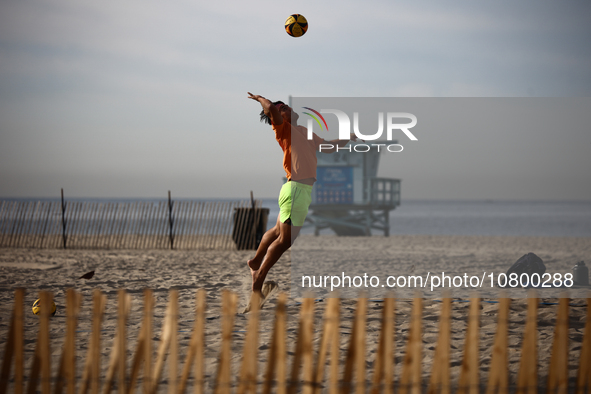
(511, 218)
(493, 218)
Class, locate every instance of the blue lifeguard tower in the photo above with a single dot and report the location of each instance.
(348, 197)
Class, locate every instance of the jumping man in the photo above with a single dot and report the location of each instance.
(299, 163)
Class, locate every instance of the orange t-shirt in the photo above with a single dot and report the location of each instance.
(299, 153)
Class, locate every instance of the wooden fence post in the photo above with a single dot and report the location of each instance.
(468, 382)
(303, 349)
(166, 337)
(64, 235)
(90, 375)
(200, 346)
(335, 352)
(355, 359)
(307, 333)
(584, 372)
(137, 360)
(527, 378)
(67, 369)
(384, 354)
(8, 353)
(329, 336)
(14, 347)
(196, 347)
(42, 358)
(119, 350)
(248, 371)
(388, 355)
(277, 354)
(19, 341)
(170, 221)
(122, 313)
(224, 374)
(440, 376)
(360, 348)
(410, 381)
(558, 370)
(173, 373)
(498, 376)
(147, 350)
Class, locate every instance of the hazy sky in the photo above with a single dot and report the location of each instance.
(134, 98)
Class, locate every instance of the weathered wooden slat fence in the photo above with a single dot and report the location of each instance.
(307, 363)
(130, 225)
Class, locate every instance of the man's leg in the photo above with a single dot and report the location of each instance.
(268, 238)
(287, 234)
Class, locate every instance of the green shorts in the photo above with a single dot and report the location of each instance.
(294, 200)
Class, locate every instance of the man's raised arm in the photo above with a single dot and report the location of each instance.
(270, 110)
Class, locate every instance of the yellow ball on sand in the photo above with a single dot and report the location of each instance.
(37, 307)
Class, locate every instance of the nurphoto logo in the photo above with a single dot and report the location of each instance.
(393, 124)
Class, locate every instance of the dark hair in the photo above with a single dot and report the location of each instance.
(265, 118)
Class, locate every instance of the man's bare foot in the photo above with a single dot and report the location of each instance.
(253, 264)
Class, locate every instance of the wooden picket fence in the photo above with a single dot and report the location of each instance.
(308, 365)
(130, 225)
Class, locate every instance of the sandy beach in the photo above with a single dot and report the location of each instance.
(56, 270)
